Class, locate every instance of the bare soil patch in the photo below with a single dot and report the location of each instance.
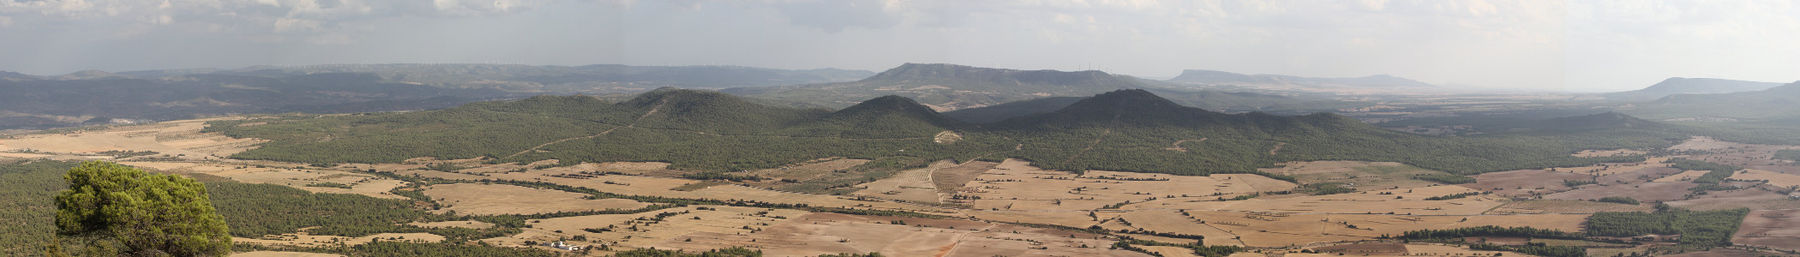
(1778, 229)
(454, 224)
(1565, 206)
(1754, 199)
(1782, 180)
(1642, 192)
(282, 254)
(1608, 153)
(472, 198)
(291, 175)
(303, 239)
(913, 185)
(174, 139)
(1524, 182)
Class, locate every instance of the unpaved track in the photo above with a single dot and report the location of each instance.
(1103, 134)
(633, 124)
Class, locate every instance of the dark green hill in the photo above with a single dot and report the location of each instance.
(889, 117)
(1135, 130)
(948, 87)
(999, 112)
(700, 130)
(1127, 130)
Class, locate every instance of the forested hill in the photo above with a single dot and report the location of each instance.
(947, 87)
(1774, 104)
(1128, 130)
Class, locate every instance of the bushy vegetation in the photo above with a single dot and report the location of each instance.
(1445, 178)
(27, 206)
(328, 184)
(1618, 199)
(1452, 196)
(118, 210)
(1791, 155)
(1487, 231)
(1697, 228)
(254, 210)
(1537, 249)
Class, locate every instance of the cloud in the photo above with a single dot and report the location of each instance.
(247, 18)
(833, 16)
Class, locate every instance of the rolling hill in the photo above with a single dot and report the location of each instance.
(1770, 105)
(948, 87)
(1677, 86)
(1125, 130)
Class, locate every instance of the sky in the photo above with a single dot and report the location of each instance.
(1584, 46)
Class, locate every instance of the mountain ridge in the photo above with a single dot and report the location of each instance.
(1679, 85)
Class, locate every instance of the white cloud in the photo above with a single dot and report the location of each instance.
(1611, 44)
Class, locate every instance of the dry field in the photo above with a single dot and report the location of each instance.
(290, 175)
(304, 240)
(491, 199)
(454, 224)
(1642, 192)
(180, 139)
(641, 230)
(1754, 199)
(1683, 176)
(664, 187)
(821, 233)
(1016, 191)
(1728, 252)
(1363, 175)
(282, 254)
(1782, 180)
(1406, 201)
(796, 233)
(1524, 182)
(1702, 144)
(1565, 206)
(1263, 229)
(1778, 229)
(1639, 175)
(948, 180)
(913, 185)
(1609, 153)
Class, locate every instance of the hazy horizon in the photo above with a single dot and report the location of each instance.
(1576, 46)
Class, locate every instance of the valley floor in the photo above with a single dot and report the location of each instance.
(1006, 208)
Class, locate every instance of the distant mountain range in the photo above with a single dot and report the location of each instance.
(948, 87)
(594, 79)
(1776, 104)
(1286, 82)
(101, 98)
(1676, 86)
